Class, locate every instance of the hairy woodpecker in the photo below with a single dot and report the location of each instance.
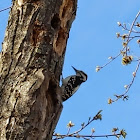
(71, 83)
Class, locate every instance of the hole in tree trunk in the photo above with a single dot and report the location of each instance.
(55, 23)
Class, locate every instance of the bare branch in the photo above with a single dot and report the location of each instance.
(133, 23)
(124, 96)
(5, 9)
(86, 136)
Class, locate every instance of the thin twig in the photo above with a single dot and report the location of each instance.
(132, 78)
(113, 58)
(131, 36)
(133, 23)
(5, 9)
(125, 28)
(129, 86)
(68, 130)
(87, 136)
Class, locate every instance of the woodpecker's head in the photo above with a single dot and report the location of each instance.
(81, 74)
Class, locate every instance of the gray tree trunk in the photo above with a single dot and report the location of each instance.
(30, 67)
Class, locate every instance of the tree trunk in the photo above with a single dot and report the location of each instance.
(31, 63)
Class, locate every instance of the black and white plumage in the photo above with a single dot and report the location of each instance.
(72, 83)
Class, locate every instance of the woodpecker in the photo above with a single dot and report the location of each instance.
(71, 83)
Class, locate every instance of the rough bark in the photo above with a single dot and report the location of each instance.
(31, 63)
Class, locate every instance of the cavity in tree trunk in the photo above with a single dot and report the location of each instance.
(31, 63)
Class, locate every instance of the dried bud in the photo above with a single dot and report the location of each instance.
(138, 41)
(114, 130)
(58, 135)
(128, 49)
(98, 68)
(127, 60)
(134, 74)
(124, 36)
(123, 53)
(70, 124)
(118, 96)
(83, 124)
(124, 44)
(126, 86)
(138, 24)
(98, 116)
(125, 98)
(110, 57)
(93, 130)
(123, 133)
(118, 35)
(77, 136)
(110, 101)
(119, 24)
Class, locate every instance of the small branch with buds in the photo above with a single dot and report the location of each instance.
(86, 136)
(76, 134)
(126, 59)
(127, 87)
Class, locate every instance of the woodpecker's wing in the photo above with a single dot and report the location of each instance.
(70, 87)
(68, 93)
(65, 81)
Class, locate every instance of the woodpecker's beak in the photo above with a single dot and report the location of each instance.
(74, 69)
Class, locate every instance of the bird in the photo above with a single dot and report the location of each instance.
(72, 83)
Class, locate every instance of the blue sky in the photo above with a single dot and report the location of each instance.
(92, 40)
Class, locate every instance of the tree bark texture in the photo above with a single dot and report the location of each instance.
(31, 63)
